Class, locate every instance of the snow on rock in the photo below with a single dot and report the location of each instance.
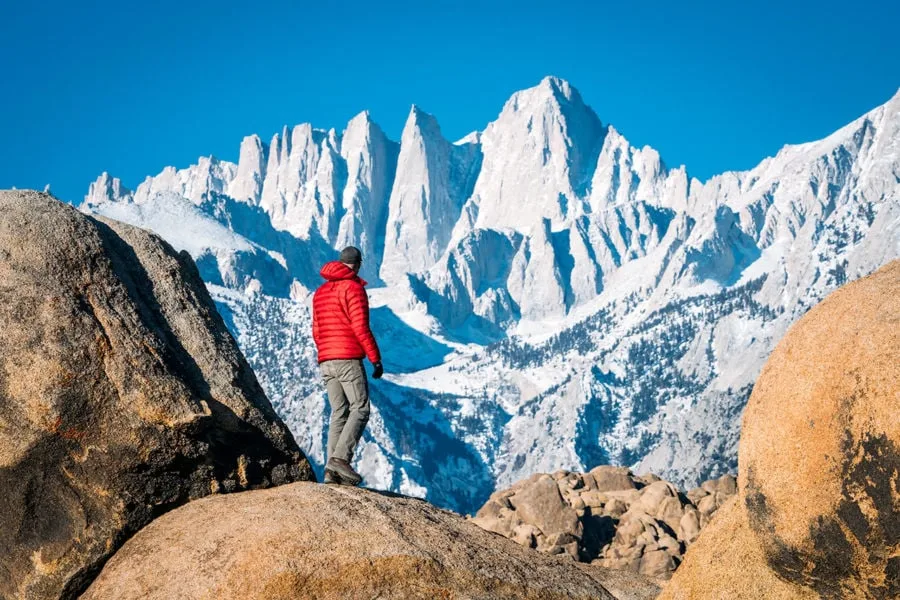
(432, 182)
(106, 189)
(538, 158)
(371, 161)
(300, 191)
(251, 171)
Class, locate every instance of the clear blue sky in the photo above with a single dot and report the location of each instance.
(94, 86)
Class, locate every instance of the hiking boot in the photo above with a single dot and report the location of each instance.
(332, 477)
(344, 471)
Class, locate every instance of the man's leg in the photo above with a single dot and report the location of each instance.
(340, 408)
(352, 376)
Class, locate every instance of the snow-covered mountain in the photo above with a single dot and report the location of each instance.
(546, 294)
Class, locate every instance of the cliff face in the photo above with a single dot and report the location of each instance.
(122, 395)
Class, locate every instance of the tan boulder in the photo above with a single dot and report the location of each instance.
(523, 534)
(820, 445)
(594, 499)
(696, 494)
(615, 508)
(329, 542)
(689, 526)
(615, 528)
(656, 563)
(708, 504)
(653, 495)
(542, 505)
(608, 478)
(670, 511)
(628, 497)
(818, 511)
(122, 394)
(726, 485)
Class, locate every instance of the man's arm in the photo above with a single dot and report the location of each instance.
(315, 321)
(358, 310)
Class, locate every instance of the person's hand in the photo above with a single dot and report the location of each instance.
(378, 372)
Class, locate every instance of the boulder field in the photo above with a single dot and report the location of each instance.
(607, 517)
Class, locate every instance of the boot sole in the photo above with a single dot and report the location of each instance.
(351, 478)
(338, 479)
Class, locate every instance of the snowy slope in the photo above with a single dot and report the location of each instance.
(546, 294)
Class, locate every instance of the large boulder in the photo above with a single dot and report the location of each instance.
(542, 505)
(819, 458)
(322, 542)
(122, 395)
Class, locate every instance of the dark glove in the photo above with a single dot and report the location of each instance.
(378, 372)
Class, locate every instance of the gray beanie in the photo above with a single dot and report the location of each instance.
(351, 255)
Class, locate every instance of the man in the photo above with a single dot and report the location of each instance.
(343, 338)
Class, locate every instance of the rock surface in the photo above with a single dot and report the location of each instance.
(322, 541)
(623, 585)
(728, 563)
(122, 395)
(607, 517)
(819, 501)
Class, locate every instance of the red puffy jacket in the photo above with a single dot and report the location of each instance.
(341, 316)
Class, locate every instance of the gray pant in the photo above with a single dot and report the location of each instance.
(348, 394)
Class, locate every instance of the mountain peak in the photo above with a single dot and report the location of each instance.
(106, 189)
(471, 138)
(421, 122)
(362, 122)
(540, 153)
(553, 90)
(416, 113)
(557, 85)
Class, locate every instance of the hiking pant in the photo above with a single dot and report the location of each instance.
(348, 394)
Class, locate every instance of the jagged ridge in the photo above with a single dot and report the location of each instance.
(652, 298)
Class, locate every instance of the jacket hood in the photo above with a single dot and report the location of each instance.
(337, 271)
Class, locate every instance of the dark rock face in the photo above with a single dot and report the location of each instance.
(122, 395)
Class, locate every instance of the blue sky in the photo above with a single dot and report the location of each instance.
(94, 86)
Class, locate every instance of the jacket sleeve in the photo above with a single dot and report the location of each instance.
(315, 322)
(358, 310)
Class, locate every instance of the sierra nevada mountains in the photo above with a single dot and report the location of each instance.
(546, 294)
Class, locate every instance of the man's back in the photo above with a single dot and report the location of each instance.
(341, 316)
